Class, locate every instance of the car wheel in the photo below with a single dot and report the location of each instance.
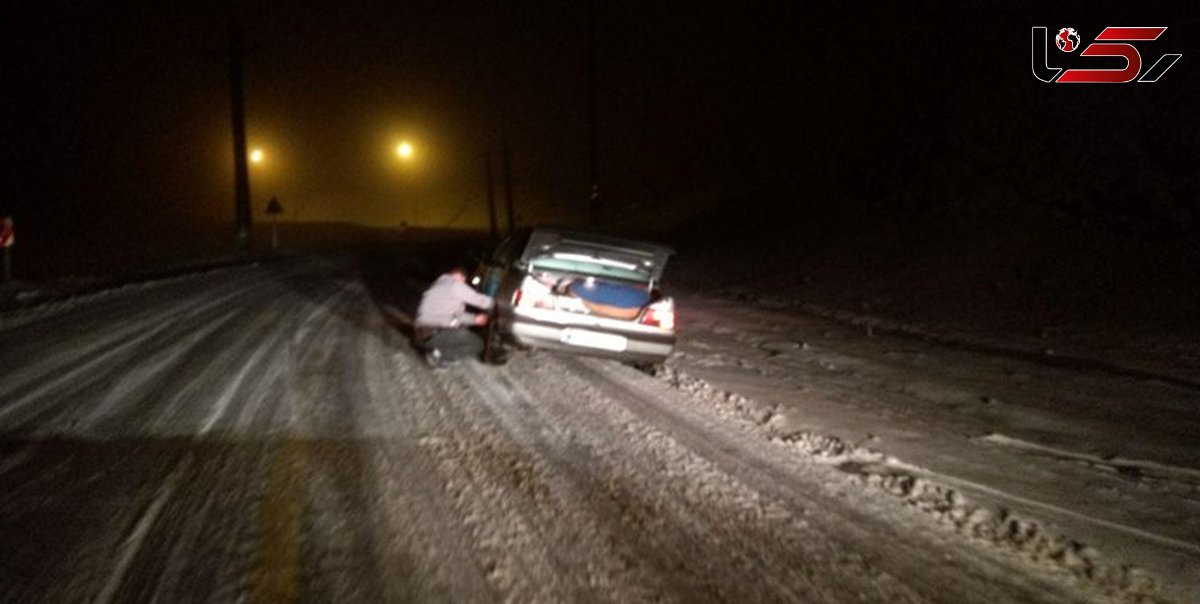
(494, 350)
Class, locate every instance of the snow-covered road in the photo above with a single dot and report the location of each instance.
(1100, 461)
(266, 433)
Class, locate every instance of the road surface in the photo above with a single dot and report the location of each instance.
(266, 433)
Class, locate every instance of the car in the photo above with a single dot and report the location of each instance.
(578, 292)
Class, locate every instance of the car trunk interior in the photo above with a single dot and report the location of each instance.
(588, 294)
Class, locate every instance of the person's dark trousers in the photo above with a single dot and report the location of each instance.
(455, 344)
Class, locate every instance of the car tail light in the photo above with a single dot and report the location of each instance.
(661, 314)
(533, 294)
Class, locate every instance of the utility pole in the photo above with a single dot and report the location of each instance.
(491, 196)
(508, 200)
(274, 209)
(241, 172)
(506, 174)
(594, 204)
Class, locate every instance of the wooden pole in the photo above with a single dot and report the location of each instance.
(491, 197)
(241, 171)
(508, 199)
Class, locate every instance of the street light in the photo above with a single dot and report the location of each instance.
(256, 156)
(404, 150)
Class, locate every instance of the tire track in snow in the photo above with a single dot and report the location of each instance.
(685, 528)
(112, 339)
(420, 532)
(235, 386)
(133, 543)
(570, 475)
(204, 550)
(131, 351)
(974, 576)
(1118, 464)
(292, 350)
(977, 488)
(318, 520)
(699, 526)
(973, 510)
(139, 378)
(196, 392)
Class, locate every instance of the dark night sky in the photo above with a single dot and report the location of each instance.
(116, 114)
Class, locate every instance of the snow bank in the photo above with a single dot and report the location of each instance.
(981, 521)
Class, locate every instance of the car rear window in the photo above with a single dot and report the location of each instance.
(598, 267)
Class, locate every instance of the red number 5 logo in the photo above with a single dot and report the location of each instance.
(1110, 43)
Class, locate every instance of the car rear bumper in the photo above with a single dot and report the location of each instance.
(592, 340)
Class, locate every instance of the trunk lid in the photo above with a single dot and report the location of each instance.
(595, 255)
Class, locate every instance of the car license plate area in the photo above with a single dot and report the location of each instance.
(593, 339)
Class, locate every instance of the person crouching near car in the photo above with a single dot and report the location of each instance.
(442, 327)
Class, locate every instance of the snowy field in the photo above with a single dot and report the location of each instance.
(267, 433)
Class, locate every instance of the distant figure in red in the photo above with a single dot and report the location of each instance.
(6, 232)
(7, 237)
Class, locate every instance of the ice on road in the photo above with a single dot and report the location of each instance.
(267, 433)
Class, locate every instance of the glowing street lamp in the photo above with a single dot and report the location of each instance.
(404, 150)
(256, 156)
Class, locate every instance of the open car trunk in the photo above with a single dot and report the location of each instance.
(590, 294)
(587, 294)
(595, 255)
